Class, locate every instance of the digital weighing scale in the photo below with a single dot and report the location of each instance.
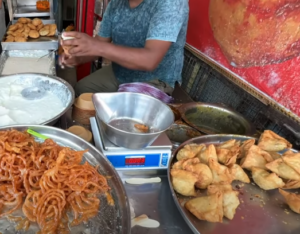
(155, 156)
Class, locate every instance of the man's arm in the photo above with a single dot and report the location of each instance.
(87, 59)
(70, 61)
(163, 31)
(144, 59)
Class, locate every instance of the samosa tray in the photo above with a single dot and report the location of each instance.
(259, 212)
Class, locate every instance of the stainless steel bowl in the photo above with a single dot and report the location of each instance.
(53, 84)
(118, 112)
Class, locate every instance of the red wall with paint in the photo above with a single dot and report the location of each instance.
(280, 81)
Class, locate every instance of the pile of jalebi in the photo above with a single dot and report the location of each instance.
(51, 180)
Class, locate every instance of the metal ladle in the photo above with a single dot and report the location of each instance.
(33, 93)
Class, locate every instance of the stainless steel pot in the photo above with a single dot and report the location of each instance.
(53, 84)
(118, 112)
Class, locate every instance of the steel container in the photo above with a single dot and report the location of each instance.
(132, 108)
(53, 84)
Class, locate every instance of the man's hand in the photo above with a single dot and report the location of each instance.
(83, 44)
(65, 60)
(0, 4)
(142, 59)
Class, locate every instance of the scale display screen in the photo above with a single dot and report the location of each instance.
(135, 160)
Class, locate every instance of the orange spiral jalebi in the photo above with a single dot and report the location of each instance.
(49, 210)
(50, 178)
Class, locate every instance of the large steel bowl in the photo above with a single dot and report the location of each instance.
(132, 107)
(53, 84)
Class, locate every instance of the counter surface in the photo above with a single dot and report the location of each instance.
(155, 201)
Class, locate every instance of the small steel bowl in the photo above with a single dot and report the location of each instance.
(53, 84)
(215, 119)
(118, 112)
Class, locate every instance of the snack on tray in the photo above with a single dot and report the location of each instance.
(34, 34)
(266, 180)
(26, 27)
(293, 200)
(39, 27)
(206, 153)
(214, 167)
(67, 48)
(230, 198)
(209, 208)
(52, 181)
(44, 31)
(36, 22)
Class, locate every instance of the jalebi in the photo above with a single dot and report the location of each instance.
(50, 178)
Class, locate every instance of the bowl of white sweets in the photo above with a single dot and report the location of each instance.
(33, 98)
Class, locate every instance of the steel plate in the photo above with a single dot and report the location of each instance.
(215, 119)
(260, 212)
(111, 219)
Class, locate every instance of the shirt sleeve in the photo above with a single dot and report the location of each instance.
(168, 19)
(106, 26)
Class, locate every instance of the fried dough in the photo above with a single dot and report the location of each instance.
(34, 34)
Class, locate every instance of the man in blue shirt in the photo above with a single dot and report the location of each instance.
(144, 39)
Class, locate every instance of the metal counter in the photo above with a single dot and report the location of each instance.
(155, 201)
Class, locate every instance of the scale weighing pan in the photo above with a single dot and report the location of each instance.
(155, 156)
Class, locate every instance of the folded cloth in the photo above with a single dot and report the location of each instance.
(154, 89)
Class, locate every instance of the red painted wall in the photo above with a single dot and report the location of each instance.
(280, 81)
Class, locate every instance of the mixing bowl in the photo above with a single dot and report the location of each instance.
(57, 86)
(120, 112)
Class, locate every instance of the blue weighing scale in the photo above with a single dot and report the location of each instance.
(155, 156)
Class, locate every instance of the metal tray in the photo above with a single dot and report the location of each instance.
(111, 219)
(29, 54)
(215, 119)
(260, 212)
(42, 43)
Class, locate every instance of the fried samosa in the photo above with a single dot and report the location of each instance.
(256, 157)
(266, 180)
(293, 200)
(207, 153)
(282, 169)
(203, 172)
(221, 174)
(274, 155)
(238, 173)
(288, 152)
(245, 147)
(184, 182)
(293, 160)
(292, 184)
(226, 156)
(189, 151)
(209, 208)
(270, 141)
(230, 198)
(182, 163)
(228, 144)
